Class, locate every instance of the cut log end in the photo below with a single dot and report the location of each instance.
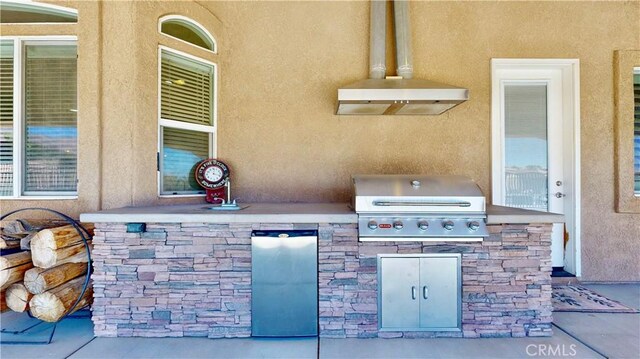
(47, 307)
(18, 297)
(34, 282)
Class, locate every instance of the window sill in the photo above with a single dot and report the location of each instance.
(38, 198)
(180, 195)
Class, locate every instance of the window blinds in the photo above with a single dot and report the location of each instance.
(186, 95)
(186, 90)
(50, 88)
(6, 118)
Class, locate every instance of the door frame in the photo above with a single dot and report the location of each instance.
(570, 75)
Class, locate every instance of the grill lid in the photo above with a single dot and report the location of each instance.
(415, 186)
(417, 193)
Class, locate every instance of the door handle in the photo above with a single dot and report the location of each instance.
(425, 292)
(413, 292)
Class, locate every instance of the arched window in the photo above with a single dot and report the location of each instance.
(21, 12)
(187, 30)
(187, 106)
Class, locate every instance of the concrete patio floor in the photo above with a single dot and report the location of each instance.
(578, 335)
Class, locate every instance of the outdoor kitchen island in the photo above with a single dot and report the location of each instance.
(187, 271)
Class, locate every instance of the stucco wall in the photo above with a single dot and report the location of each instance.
(280, 64)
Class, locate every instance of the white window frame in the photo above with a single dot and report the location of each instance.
(162, 122)
(194, 23)
(636, 71)
(18, 118)
(50, 7)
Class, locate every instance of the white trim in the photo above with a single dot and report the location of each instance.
(39, 198)
(187, 55)
(570, 70)
(186, 126)
(17, 118)
(57, 10)
(193, 22)
(212, 130)
(182, 195)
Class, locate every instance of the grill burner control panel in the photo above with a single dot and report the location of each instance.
(421, 228)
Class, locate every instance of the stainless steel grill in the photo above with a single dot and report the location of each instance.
(419, 208)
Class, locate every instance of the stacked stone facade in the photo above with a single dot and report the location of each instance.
(506, 282)
(194, 279)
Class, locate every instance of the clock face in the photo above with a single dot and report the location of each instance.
(211, 173)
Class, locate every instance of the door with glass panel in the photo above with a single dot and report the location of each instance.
(532, 139)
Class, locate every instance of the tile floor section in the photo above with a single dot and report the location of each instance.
(576, 335)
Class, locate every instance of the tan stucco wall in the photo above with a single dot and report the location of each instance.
(280, 65)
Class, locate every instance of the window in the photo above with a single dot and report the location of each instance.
(627, 130)
(38, 117)
(20, 12)
(636, 129)
(187, 120)
(187, 30)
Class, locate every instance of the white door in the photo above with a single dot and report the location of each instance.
(530, 149)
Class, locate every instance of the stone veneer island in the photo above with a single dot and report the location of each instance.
(189, 273)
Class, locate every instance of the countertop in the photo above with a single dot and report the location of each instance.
(283, 213)
(500, 214)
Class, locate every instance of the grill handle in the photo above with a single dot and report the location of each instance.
(421, 204)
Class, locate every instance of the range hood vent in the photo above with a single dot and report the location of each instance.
(397, 95)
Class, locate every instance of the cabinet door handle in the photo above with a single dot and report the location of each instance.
(413, 292)
(425, 292)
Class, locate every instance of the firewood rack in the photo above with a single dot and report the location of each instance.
(84, 234)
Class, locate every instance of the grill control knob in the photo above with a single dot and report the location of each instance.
(474, 225)
(398, 225)
(448, 225)
(372, 225)
(423, 225)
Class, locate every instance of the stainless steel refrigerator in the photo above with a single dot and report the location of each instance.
(284, 283)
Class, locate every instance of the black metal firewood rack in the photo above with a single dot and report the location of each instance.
(84, 234)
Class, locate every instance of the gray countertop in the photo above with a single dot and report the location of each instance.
(283, 213)
(253, 213)
(500, 214)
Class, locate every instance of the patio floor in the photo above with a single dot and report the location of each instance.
(578, 335)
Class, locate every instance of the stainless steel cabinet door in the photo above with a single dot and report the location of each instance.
(439, 292)
(400, 301)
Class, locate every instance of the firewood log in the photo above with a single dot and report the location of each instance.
(3, 303)
(55, 246)
(9, 243)
(52, 305)
(17, 297)
(44, 257)
(38, 280)
(13, 266)
(60, 237)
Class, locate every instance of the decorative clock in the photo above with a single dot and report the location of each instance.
(213, 175)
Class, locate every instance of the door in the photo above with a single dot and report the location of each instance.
(534, 149)
(439, 292)
(399, 300)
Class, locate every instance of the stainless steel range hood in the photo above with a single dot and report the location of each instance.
(399, 95)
